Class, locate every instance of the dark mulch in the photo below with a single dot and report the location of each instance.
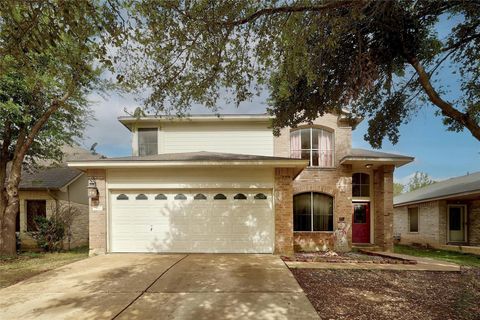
(340, 257)
(402, 295)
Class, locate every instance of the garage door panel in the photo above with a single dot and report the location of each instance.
(191, 225)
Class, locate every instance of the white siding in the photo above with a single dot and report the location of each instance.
(241, 138)
(190, 178)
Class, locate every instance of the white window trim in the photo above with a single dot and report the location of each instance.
(311, 150)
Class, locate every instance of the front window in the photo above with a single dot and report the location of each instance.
(35, 208)
(312, 212)
(361, 185)
(313, 144)
(413, 219)
(147, 141)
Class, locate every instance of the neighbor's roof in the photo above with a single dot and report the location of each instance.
(50, 178)
(450, 188)
(362, 155)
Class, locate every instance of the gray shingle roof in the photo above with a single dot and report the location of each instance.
(193, 156)
(364, 153)
(50, 178)
(443, 189)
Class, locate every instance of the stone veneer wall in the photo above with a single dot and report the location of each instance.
(383, 194)
(283, 211)
(98, 214)
(474, 223)
(429, 224)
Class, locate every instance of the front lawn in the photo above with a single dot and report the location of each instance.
(463, 259)
(28, 264)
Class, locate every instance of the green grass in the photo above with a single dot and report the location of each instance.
(463, 259)
(28, 264)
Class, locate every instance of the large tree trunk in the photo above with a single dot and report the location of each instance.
(8, 243)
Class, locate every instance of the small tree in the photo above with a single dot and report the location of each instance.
(398, 188)
(54, 229)
(419, 180)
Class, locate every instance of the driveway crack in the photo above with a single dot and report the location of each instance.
(148, 287)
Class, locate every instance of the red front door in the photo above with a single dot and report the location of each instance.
(361, 223)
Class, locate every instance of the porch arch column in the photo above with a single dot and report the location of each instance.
(383, 192)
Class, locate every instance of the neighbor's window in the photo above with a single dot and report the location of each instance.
(413, 219)
(147, 141)
(312, 212)
(313, 144)
(35, 208)
(360, 185)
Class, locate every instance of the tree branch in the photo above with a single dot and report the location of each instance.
(290, 9)
(447, 109)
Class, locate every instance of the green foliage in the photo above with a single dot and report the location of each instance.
(54, 229)
(397, 188)
(313, 56)
(50, 234)
(51, 52)
(419, 180)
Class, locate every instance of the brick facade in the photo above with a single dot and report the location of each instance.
(432, 222)
(383, 195)
(283, 211)
(97, 214)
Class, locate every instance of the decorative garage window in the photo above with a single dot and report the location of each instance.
(361, 185)
(122, 197)
(160, 196)
(240, 196)
(200, 196)
(220, 196)
(312, 212)
(180, 196)
(260, 196)
(313, 144)
(141, 196)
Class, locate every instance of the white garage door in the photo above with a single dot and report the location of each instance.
(236, 221)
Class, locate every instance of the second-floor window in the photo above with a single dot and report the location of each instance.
(313, 144)
(147, 141)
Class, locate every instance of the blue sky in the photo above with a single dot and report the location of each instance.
(440, 153)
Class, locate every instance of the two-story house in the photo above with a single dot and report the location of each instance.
(226, 184)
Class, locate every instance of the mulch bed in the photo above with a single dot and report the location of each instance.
(403, 295)
(344, 257)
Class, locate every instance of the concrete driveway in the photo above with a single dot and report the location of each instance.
(144, 286)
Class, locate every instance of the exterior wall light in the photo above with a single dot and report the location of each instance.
(368, 165)
(92, 189)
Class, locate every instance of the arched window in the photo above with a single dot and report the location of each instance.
(360, 185)
(141, 196)
(122, 197)
(240, 196)
(200, 196)
(160, 196)
(260, 196)
(313, 144)
(220, 196)
(180, 196)
(312, 212)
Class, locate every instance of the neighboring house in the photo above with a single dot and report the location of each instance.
(226, 184)
(444, 213)
(43, 191)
